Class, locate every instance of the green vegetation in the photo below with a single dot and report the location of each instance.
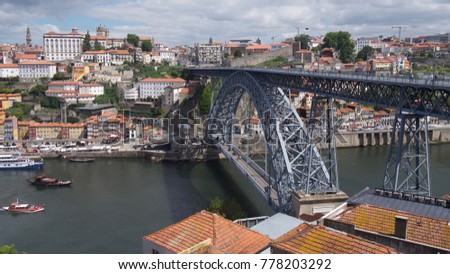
(111, 95)
(275, 63)
(38, 90)
(72, 120)
(228, 208)
(237, 53)
(303, 39)
(60, 77)
(49, 102)
(8, 249)
(342, 43)
(97, 45)
(163, 70)
(364, 53)
(204, 93)
(87, 42)
(146, 46)
(133, 39)
(20, 110)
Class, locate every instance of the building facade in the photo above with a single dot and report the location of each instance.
(62, 46)
(210, 54)
(154, 87)
(37, 69)
(9, 70)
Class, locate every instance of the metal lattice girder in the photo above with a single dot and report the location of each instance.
(296, 163)
(419, 96)
(407, 167)
(322, 131)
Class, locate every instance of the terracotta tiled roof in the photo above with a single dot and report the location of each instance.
(9, 66)
(63, 83)
(226, 236)
(421, 229)
(308, 239)
(158, 80)
(37, 63)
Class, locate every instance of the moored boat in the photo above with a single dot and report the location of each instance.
(17, 207)
(15, 161)
(81, 159)
(46, 181)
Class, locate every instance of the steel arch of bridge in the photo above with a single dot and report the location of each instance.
(296, 164)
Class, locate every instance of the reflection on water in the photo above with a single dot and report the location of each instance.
(113, 203)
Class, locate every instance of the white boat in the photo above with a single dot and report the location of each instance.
(17, 207)
(15, 161)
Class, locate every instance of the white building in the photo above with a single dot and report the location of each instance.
(154, 87)
(365, 41)
(101, 57)
(62, 46)
(167, 55)
(37, 69)
(9, 70)
(91, 88)
(62, 85)
(210, 54)
(131, 94)
(172, 93)
(120, 56)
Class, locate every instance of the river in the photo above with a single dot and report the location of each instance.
(113, 203)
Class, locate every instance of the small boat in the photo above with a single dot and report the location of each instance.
(45, 181)
(17, 207)
(81, 159)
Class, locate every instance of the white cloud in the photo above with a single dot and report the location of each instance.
(181, 22)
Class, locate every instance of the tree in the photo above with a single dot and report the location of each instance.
(205, 99)
(237, 53)
(342, 43)
(72, 120)
(102, 99)
(303, 39)
(364, 53)
(38, 90)
(50, 102)
(97, 45)
(228, 208)
(133, 39)
(87, 42)
(146, 46)
(8, 249)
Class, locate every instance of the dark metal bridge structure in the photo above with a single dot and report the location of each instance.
(301, 155)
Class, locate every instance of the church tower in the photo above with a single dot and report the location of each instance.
(28, 38)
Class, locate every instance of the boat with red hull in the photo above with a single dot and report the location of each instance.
(46, 181)
(17, 207)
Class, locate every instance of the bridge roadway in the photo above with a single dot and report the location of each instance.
(424, 97)
(255, 174)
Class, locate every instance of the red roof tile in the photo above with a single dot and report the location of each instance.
(421, 229)
(308, 239)
(226, 236)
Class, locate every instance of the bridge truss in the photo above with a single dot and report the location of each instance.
(296, 150)
(295, 161)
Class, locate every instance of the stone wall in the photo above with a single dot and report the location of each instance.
(258, 58)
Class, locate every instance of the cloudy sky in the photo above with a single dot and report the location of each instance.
(176, 22)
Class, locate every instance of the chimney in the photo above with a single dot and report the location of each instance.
(401, 225)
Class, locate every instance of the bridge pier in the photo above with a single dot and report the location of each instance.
(407, 167)
(318, 203)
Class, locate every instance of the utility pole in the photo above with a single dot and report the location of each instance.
(399, 31)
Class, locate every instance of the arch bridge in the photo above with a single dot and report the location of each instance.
(301, 156)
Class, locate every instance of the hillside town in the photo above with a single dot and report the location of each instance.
(75, 86)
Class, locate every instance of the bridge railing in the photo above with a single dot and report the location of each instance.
(431, 81)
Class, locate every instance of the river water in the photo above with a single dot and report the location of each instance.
(113, 203)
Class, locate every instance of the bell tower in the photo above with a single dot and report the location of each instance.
(28, 38)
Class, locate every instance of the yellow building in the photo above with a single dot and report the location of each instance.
(23, 129)
(44, 131)
(72, 131)
(2, 114)
(2, 129)
(78, 72)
